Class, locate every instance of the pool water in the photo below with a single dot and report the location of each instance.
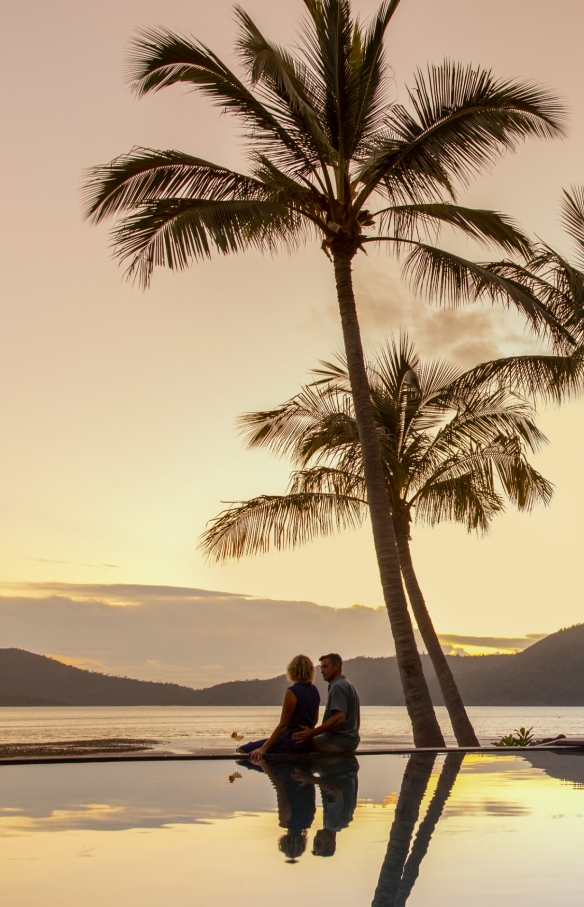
(382, 830)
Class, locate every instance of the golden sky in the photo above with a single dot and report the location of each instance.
(117, 407)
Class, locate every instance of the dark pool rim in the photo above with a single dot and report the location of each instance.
(161, 756)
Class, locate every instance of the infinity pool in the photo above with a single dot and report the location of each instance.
(384, 830)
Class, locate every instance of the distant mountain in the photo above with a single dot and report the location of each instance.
(28, 679)
(551, 672)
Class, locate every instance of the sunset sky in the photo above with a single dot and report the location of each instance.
(118, 407)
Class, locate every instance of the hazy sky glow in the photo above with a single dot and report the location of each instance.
(194, 636)
(118, 406)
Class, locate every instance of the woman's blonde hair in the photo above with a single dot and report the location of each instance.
(300, 669)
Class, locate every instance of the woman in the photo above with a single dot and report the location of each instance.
(299, 710)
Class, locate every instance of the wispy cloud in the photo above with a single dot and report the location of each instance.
(491, 642)
(46, 560)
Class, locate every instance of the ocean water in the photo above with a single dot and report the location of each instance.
(187, 729)
(385, 831)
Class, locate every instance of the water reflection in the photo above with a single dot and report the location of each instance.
(401, 865)
(295, 786)
(419, 834)
(337, 780)
(565, 766)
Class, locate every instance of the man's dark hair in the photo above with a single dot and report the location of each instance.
(334, 658)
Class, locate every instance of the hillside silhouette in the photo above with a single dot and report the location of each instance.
(551, 672)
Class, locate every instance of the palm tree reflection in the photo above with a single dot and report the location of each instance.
(401, 865)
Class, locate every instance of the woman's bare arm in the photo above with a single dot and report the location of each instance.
(288, 707)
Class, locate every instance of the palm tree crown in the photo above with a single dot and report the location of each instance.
(330, 155)
(449, 453)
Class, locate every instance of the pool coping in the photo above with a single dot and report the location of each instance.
(161, 756)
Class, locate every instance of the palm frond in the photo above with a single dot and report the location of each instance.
(453, 280)
(326, 480)
(284, 429)
(462, 500)
(290, 87)
(174, 232)
(279, 521)
(572, 217)
(146, 174)
(435, 378)
(523, 484)
(552, 378)
(327, 45)
(557, 284)
(161, 58)
(463, 119)
(368, 90)
(486, 418)
(425, 220)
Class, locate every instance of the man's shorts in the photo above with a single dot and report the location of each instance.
(326, 743)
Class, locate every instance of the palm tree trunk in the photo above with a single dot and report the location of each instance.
(417, 696)
(463, 729)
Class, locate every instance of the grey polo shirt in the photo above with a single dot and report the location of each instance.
(343, 697)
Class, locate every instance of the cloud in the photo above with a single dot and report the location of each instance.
(491, 642)
(467, 335)
(196, 637)
(121, 798)
(47, 560)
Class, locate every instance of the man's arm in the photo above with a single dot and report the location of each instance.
(337, 718)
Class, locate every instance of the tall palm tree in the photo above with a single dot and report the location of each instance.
(331, 158)
(442, 446)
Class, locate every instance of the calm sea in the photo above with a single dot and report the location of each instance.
(184, 729)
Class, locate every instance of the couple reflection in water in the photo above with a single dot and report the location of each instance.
(296, 783)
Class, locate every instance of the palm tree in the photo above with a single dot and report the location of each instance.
(559, 284)
(442, 446)
(331, 158)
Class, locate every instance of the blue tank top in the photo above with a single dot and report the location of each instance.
(307, 703)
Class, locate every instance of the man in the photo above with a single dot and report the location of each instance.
(339, 731)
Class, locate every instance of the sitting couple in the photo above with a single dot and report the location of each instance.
(298, 731)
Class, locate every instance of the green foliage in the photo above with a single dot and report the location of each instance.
(521, 737)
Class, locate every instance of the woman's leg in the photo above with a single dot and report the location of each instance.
(250, 747)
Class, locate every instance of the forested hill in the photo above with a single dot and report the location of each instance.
(28, 679)
(551, 672)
